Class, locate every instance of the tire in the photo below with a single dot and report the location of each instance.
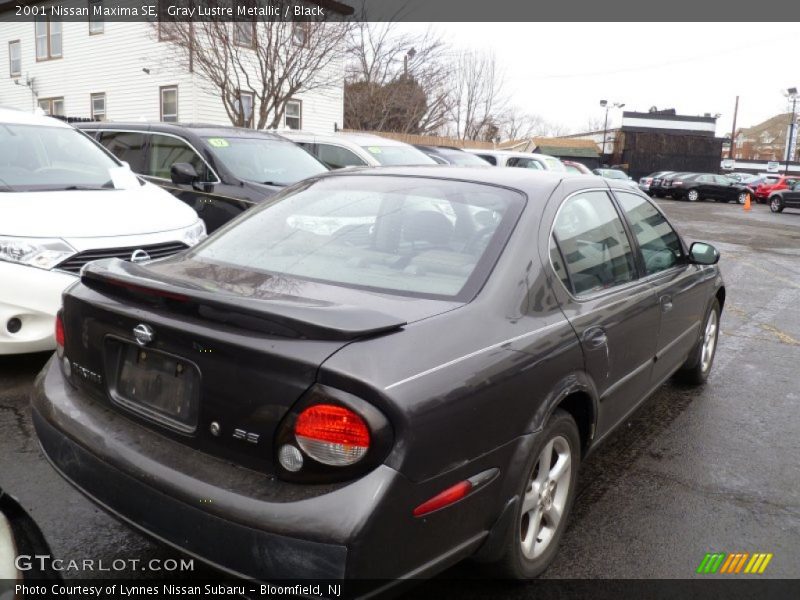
(775, 204)
(524, 557)
(698, 365)
(692, 195)
(742, 198)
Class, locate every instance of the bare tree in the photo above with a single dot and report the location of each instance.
(519, 125)
(266, 60)
(477, 88)
(395, 82)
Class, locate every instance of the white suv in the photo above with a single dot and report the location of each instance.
(525, 160)
(340, 150)
(64, 202)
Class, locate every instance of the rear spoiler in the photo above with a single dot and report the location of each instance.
(313, 319)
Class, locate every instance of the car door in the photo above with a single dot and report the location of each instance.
(728, 189)
(214, 208)
(615, 316)
(680, 288)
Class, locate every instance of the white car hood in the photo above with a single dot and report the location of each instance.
(95, 213)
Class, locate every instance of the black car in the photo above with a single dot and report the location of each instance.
(672, 184)
(789, 198)
(219, 171)
(450, 155)
(657, 184)
(708, 186)
(380, 373)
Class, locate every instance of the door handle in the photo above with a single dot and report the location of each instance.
(666, 303)
(595, 337)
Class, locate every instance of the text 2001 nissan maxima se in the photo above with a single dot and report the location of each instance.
(410, 358)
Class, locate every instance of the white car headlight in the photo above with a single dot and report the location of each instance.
(42, 253)
(194, 234)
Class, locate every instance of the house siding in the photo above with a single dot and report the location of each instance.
(113, 63)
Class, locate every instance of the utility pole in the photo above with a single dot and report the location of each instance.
(733, 130)
(791, 93)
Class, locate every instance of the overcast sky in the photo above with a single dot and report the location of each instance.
(562, 71)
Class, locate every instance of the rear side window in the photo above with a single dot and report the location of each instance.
(525, 163)
(489, 158)
(336, 157)
(166, 150)
(593, 242)
(660, 245)
(127, 146)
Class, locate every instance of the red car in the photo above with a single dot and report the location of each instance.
(765, 189)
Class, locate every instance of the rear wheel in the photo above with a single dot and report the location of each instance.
(698, 365)
(742, 198)
(693, 195)
(546, 495)
(775, 204)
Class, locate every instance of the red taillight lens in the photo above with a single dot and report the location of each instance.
(332, 434)
(447, 497)
(59, 334)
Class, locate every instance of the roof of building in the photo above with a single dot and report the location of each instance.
(576, 147)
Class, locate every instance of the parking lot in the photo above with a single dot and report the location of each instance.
(694, 471)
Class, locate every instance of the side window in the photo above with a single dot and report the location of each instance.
(558, 263)
(660, 245)
(125, 145)
(166, 150)
(336, 157)
(489, 158)
(594, 244)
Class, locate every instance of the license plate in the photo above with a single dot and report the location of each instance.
(156, 385)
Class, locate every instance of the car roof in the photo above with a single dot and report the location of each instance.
(509, 153)
(199, 129)
(358, 139)
(19, 117)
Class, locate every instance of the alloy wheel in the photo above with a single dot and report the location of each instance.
(774, 204)
(692, 195)
(545, 498)
(709, 342)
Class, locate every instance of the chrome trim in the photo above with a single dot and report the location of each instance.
(668, 347)
(626, 378)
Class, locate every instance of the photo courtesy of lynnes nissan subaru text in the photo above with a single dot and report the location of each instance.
(406, 357)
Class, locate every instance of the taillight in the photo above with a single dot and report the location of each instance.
(331, 434)
(60, 338)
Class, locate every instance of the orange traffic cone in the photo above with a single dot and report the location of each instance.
(747, 202)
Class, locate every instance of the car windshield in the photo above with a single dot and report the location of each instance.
(399, 155)
(264, 160)
(408, 236)
(464, 159)
(613, 174)
(573, 169)
(553, 164)
(50, 158)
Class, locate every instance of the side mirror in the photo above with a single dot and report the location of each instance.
(703, 254)
(183, 173)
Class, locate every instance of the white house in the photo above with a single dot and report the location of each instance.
(121, 71)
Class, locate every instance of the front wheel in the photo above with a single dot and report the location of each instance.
(693, 195)
(742, 198)
(775, 204)
(697, 367)
(546, 494)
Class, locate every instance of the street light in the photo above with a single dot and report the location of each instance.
(791, 94)
(605, 104)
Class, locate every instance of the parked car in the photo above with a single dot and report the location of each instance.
(219, 171)
(65, 202)
(645, 182)
(576, 167)
(395, 386)
(708, 186)
(672, 184)
(764, 190)
(617, 175)
(785, 198)
(525, 160)
(657, 185)
(450, 155)
(341, 150)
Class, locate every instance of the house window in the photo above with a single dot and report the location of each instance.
(99, 107)
(244, 33)
(245, 107)
(15, 58)
(48, 36)
(169, 104)
(52, 106)
(96, 24)
(300, 32)
(293, 114)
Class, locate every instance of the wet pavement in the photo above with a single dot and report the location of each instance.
(693, 471)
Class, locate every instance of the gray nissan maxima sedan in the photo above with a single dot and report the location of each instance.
(409, 358)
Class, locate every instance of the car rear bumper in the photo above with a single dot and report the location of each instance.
(249, 524)
(32, 296)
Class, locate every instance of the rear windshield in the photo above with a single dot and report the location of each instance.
(399, 155)
(263, 160)
(410, 236)
(553, 164)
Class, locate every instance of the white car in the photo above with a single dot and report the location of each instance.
(64, 202)
(340, 150)
(525, 160)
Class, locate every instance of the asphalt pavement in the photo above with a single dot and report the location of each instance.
(714, 469)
